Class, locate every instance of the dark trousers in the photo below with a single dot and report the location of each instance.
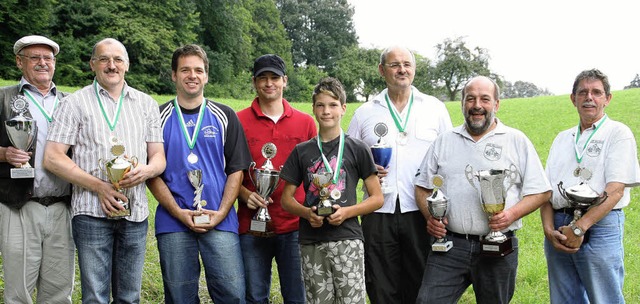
(396, 248)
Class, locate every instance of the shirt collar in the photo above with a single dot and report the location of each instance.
(24, 84)
(287, 109)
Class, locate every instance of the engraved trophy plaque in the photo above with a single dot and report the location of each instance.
(195, 178)
(438, 203)
(493, 193)
(266, 181)
(381, 152)
(325, 202)
(22, 132)
(115, 170)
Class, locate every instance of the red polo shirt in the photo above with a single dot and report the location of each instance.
(293, 127)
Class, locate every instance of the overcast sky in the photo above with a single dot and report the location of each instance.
(543, 42)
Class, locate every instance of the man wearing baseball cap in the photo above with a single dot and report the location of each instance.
(271, 122)
(35, 224)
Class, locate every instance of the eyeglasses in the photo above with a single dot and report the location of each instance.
(595, 93)
(36, 59)
(397, 65)
(106, 60)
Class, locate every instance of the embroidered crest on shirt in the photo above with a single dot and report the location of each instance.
(210, 131)
(594, 147)
(492, 151)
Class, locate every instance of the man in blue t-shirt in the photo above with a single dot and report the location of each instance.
(206, 151)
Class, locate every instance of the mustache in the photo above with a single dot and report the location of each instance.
(41, 67)
(589, 104)
(477, 112)
(110, 70)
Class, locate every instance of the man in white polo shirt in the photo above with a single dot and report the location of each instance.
(484, 143)
(586, 260)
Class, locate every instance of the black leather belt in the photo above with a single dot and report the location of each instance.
(473, 237)
(565, 210)
(49, 200)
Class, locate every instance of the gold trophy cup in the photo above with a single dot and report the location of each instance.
(325, 201)
(115, 170)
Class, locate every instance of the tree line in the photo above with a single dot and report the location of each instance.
(316, 38)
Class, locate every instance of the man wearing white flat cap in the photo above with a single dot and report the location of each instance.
(35, 223)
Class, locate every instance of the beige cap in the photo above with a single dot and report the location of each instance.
(35, 39)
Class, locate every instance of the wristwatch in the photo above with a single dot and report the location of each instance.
(577, 230)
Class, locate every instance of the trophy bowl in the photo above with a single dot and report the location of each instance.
(325, 204)
(265, 180)
(115, 169)
(581, 197)
(22, 132)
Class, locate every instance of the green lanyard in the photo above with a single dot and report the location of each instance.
(112, 123)
(579, 155)
(327, 165)
(191, 139)
(41, 107)
(401, 124)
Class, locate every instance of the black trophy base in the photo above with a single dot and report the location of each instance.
(494, 249)
(261, 228)
(324, 210)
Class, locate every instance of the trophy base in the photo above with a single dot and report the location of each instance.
(324, 210)
(119, 214)
(23, 172)
(494, 249)
(441, 246)
(201, 219)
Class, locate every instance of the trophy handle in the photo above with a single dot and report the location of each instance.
(102, 165)
(563, 193)
(252, 166)
(512, 176)
(134, 161)
(468, 172)
(601, 199)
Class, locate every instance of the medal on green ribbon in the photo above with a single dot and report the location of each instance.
(583, 172)
(191, 138)
(401, 124)
(117, 148)
(335, 193)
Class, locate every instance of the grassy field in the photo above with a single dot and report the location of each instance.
(541, 119)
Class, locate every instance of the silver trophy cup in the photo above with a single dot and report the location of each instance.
(22, 132)
(582, 198)
(493, 192)
(438, 204)
(115, 170)
(195, 178)
(381, 152)
(265, 180)
(325, 202)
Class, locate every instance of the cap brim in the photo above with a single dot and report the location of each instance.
(269, 69)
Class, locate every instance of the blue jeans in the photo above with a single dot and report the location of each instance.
(110, 254)
(180, 254)
(448, 274)
(258, 253)
(596, 272)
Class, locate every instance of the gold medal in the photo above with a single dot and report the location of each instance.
(117, 150)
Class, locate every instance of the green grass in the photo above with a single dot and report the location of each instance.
(541, 118)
